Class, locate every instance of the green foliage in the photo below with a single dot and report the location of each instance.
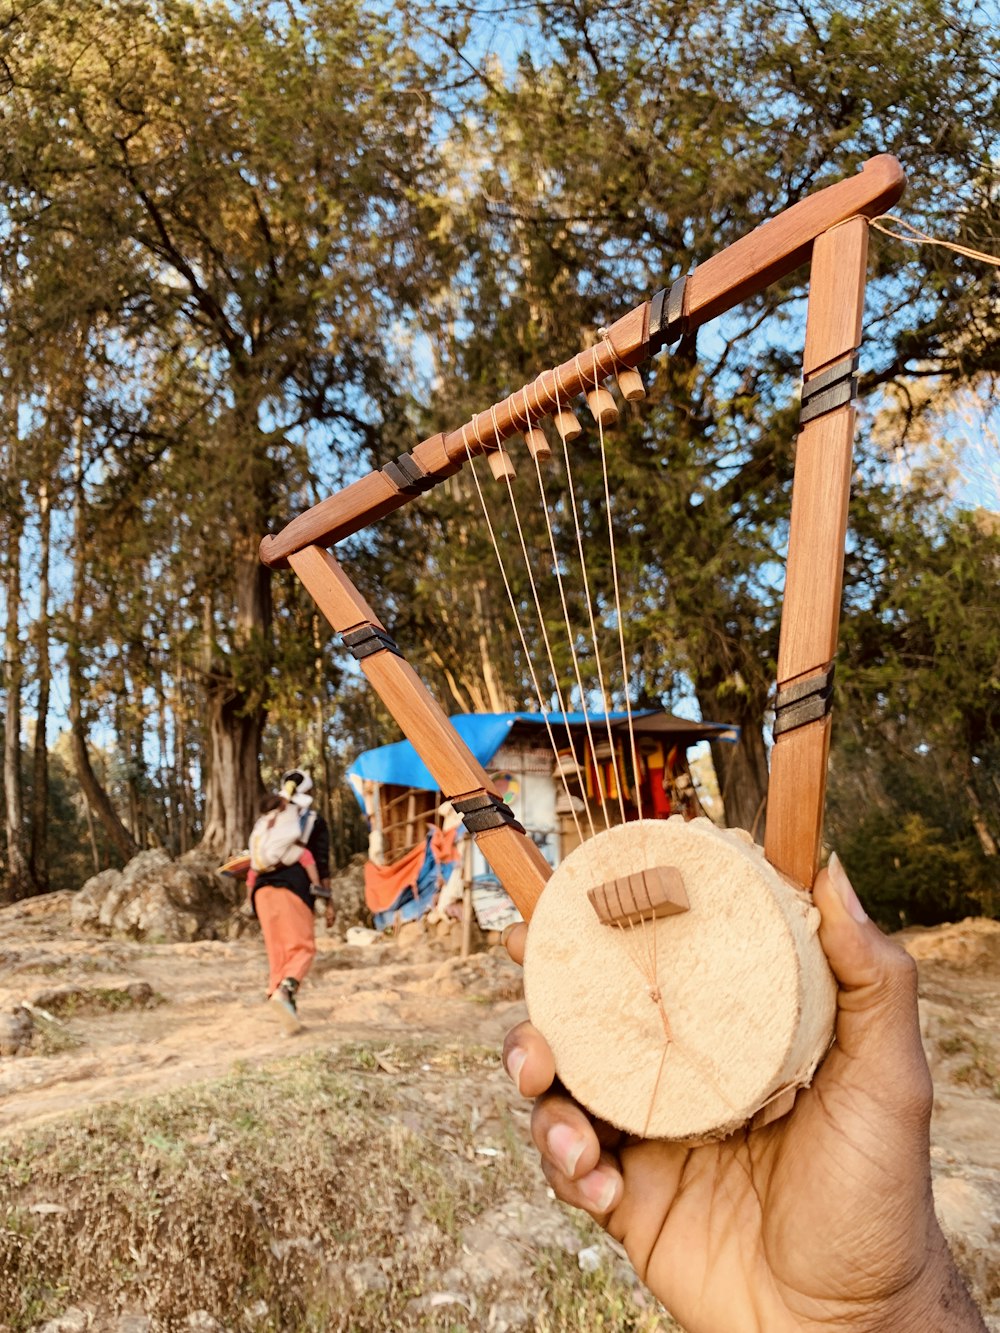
(270, 247)
(916, 772)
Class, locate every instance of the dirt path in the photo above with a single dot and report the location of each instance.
(116, 1021)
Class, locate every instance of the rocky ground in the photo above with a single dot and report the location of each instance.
(91, 1024)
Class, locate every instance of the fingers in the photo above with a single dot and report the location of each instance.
(528, 1060)
(877, 1020)
(574, 1162)
(580, 1173)
(513, 937)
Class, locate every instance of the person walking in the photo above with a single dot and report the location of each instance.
(283, 900)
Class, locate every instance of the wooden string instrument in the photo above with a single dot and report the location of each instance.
(674, 968)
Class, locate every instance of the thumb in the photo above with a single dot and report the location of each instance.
(877, 1018)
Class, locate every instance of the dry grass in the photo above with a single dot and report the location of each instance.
(979, 1069)
(328, 1192)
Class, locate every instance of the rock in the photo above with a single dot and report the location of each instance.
(489, 1259)
(366, 1276)
(74, 1320)
(410, 934)
(86, 906)
(15, 1031)
(349, 896)
(200, 1321)
(589, 1259)
(506, 1316)
(134, 1323)
(155, 898)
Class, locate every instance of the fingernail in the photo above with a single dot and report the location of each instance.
(565, 1148)
(599, 1189)
(844, 889)
(515, 1064)
(505, 933)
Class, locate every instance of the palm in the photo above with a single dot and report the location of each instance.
(783, 1221)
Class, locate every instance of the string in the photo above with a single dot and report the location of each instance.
(569, 628)
(918, 237)
(618, 606)
(593, 626)
(538, 609)
(571, 491)
(503, 570)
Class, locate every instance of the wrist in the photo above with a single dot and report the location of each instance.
(937, 1301)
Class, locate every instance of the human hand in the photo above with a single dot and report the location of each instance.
(822, 1220)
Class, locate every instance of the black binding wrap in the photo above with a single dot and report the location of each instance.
(666, 316)
(805, 701)
(368, 639)
(834, 387)
(408, 477)
(485, 811)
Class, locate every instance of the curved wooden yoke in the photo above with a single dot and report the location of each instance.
(830, 229)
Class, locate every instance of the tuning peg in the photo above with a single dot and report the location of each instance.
(567, 425)
(538, 445)
(500, 464)
(631, 385)
(602, 406)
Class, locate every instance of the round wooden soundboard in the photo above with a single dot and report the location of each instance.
(687, 1026)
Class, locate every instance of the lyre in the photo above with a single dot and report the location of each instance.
(829, 230)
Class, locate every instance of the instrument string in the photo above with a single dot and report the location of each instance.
(541, 624)
(626, 680)
(517, 620)
(571, 493)
(557, 572)
(918, 237)
(618, 775)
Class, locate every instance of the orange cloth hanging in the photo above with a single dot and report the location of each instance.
(384, 884)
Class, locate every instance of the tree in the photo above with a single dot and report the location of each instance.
(253, 180)
(628, 143)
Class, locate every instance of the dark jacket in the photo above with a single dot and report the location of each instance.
(294, 877)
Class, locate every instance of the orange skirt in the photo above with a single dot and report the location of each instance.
(289, 931)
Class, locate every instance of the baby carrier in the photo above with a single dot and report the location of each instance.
(278, 837)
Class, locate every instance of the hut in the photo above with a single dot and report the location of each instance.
(564, 775)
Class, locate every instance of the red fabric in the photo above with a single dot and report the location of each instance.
(288, 928)
(384, 884)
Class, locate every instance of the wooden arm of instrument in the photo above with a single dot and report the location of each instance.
(773, 250)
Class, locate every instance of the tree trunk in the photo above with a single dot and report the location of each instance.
(39, 848)
(19, 876)
(235, 717)
(97, 798)
(741, 768)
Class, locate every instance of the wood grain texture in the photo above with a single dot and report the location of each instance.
(781, 245)
(814, 576)
(370, 498)
(331, 589)
(518, 864)
(795, 801)
(449, 760)
(836, 295)
(770, 252)
(814, 572)
(646, 895)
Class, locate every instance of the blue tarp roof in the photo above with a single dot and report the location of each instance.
(484, 733)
